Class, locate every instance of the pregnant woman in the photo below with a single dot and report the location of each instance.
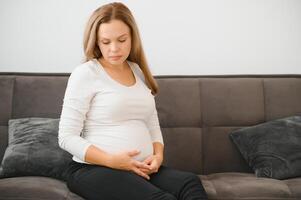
(109, 121)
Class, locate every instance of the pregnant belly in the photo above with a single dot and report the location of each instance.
(126, 137)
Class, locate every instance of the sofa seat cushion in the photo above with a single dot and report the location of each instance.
(294, 185)
(233, 185)
(35, 187)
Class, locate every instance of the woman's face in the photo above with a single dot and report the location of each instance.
(114, 41)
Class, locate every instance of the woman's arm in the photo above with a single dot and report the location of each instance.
(76, 103)
(95, 155)
(154, 128)
(158, 150)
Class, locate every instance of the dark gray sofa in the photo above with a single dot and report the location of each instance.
(196, 114)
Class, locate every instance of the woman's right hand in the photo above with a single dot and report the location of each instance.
(124, 161)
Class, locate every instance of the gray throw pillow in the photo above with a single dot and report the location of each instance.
(272, 149)
(33, 149)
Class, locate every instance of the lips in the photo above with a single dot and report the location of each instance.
(115, 57)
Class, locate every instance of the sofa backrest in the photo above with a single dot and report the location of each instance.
(196, 113)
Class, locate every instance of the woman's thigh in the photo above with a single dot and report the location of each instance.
(181, 184)
(103, 183)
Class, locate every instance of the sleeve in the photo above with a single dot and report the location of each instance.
(154, 127)
(76, 103)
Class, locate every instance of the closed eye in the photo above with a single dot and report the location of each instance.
(106, 42)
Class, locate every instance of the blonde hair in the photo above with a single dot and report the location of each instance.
(105, 14)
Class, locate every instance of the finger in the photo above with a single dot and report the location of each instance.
(133, 153)
(145, 170)
(142, 165)
(140, 173)
(145, 175)
(147, 160)
(154, 167)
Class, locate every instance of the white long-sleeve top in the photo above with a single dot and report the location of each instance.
(99, 110)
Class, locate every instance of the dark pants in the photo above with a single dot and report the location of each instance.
(104, 183)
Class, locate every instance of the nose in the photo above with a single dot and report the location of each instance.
(114, 47)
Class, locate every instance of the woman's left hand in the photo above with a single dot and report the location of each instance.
(154, 161)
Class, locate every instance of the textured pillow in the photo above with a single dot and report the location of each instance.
(33, 149)
(272, 149)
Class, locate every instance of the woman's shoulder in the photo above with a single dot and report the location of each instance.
(85, 70)
(81, 82)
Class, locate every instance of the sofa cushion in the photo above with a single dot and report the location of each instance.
(33, 149)
(272, 149)
(234, 186)
(35, 188)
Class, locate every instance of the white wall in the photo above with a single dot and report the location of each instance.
(180, 37)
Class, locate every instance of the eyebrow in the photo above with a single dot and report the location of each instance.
(109, 39)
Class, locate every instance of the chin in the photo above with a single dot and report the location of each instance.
(116, 62)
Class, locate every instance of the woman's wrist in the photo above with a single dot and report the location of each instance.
(159, 157)
(109, 160)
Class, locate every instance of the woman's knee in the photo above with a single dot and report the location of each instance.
(72, 186)
(192, 186)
